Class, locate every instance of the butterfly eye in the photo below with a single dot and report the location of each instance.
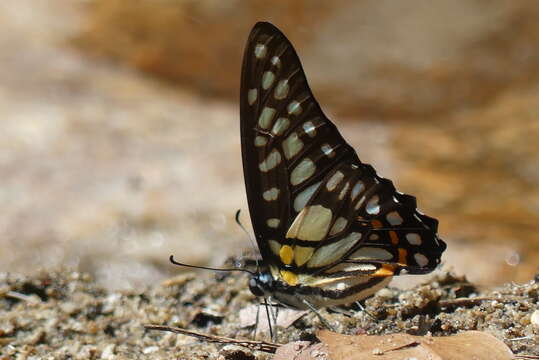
(255, 288)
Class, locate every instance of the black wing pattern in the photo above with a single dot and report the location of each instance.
(316, 209)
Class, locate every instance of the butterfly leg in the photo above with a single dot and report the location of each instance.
(257, 317)
(322, 320)
(274, 311)
(362, 308)
(268, 312)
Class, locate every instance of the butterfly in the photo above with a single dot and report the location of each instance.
(330, 231)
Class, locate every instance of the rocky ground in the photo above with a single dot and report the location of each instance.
(66, 315)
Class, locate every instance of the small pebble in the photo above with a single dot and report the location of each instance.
(385, 293)
(108, 352)
(150, 349)
(535, 319)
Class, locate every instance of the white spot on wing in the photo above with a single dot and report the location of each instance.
(302, 254)
(311, 224)
(360, 202)
(281, 90)
(344, 191)
(275, 61)
(338, 225)
(371, 253)
(328, 254)
(413, 239)
(274, 246)
(271, 194)
(280, 126)
(373, 208)
(294, 108)
(352, 267)
(304, 170)
(327, 150)
(260, 51)
(252, 95)
(266, 117)
(309, 128)
(334, 180)
(394, 218)
(357, 189)
(303, 197)
(292, 145)
(273, 159)
(273, 223)
(267, 79)
(261, 140)
(421, 259)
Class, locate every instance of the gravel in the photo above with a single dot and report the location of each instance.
(65, 314)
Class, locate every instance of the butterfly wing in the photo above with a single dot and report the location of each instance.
(316, 209)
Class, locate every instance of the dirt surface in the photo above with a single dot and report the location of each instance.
(67, 315)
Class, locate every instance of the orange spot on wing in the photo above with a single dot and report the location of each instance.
(376, 224)
(394, 237)
(385, 270)
(402, 256)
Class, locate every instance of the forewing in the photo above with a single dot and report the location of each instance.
(280, 123)
(315, 208)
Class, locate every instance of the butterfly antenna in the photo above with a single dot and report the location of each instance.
(171, 258)
(251, 240)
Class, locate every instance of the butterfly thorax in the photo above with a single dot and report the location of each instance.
(262, 284)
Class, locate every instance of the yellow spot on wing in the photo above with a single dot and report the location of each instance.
(385, 270)
(286, 254)
(289, 277)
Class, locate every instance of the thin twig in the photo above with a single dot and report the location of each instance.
(251, 344)
(23, 297)
(529, 357)
(520, 338)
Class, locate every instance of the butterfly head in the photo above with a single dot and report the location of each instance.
(261, 284)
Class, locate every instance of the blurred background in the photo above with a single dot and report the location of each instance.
(120, 140)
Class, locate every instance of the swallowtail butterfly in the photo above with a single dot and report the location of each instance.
(329, 229)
